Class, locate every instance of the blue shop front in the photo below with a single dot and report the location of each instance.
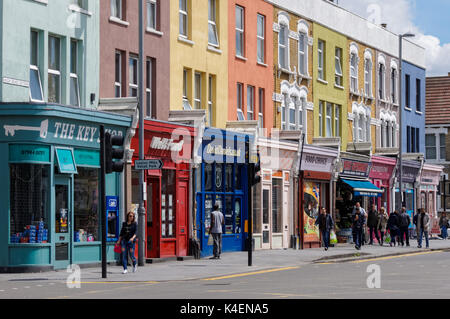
(222, 179)
(49, 204)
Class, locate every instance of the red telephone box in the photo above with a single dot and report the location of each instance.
(167, 202)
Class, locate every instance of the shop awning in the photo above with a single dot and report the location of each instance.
(363, 188)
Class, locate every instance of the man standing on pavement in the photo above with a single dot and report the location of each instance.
(372, 223)
(326, 223)
(217, 221)
(443, 224)
(404, 226)
(423, 226)
(357, 228)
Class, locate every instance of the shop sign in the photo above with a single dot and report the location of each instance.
(409, 174)
(29, 153)
(166, 144)
(430, 178)
(225, 147)
(355, 168)
(381, 171)
(316, 163)
(55, 131)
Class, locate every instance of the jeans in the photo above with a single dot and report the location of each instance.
(382, 236)
(444, 232)
(127, 247)
(394, 236)
(217, 248)
(357, 237)
(326, 238)
(404, 232)
(421, 233)
(373, 229)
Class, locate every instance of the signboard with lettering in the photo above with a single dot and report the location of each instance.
(317, 163)
(148, 164)
(354, 168)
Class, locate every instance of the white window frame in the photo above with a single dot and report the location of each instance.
(74, 76)
(152, 8)
(52, 72)
(240, 97)
(301, 111)
(148, 87)
(382, 81)
(394, 77)
(442, 146)
(368, 77)
(435, 137)
(118, 85)
(283, 47)
(212, 22)
(133, 86)
(35, 67)
(328, 119)
(240, 32)
(261, 38)
(210, 99)
(284, 109)
(354, 72)
(292, 114)
(184, 14)
(185, 100)
(197, 91)
(261, 96)
(303, 55)
(321, 60)
(250, 102)
(338, 67)
(114, 7)
(321, 127)
(337, 120)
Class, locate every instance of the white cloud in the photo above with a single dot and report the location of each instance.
(398, 15)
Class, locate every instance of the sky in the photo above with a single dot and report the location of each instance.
(427, 19)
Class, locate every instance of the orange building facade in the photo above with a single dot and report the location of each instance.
(250, 60)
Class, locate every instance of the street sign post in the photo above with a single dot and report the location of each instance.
(148, 164)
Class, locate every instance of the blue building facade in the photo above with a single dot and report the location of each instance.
(413, 116)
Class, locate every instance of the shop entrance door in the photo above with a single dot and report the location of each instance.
(62, 225)
(266, 213)
(153, 218)
(286, 217)
(182, 218)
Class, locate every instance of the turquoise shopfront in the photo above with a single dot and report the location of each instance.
(49, 168)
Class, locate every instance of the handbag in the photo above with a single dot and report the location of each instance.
(333, 238)
(210, 240)
(117, 248)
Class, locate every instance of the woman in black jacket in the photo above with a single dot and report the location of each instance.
(127, 239)
(394, 226)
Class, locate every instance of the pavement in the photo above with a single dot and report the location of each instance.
(233, 263)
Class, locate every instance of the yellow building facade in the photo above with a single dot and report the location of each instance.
(199, 58)
(293, 69)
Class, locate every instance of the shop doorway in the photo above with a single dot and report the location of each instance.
(63, 222)
(153, 218)
(266, 212)
(182, 210)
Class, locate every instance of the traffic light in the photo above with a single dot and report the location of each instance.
(256, 168)
(114, 155)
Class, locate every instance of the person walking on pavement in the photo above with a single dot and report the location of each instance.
(127, 239)
(326, 224)
(423, 227)
(443, 224)
(372, 223)
(393, 226)
(217, 222)
(363, 214)
(404, 226)
(382, 224)
(357, 228)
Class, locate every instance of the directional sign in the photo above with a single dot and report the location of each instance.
(148, 164)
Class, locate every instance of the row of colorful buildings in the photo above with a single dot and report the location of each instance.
(310, 86)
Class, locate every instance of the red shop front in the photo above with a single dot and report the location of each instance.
(167, 190)
(381, 176)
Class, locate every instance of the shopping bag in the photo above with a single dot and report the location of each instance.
(333, 238)
(210, 240)
(388, 238)
(117, 248)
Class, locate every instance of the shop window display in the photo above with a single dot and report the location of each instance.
(29, 203)
(86, 205)
(168, 204)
